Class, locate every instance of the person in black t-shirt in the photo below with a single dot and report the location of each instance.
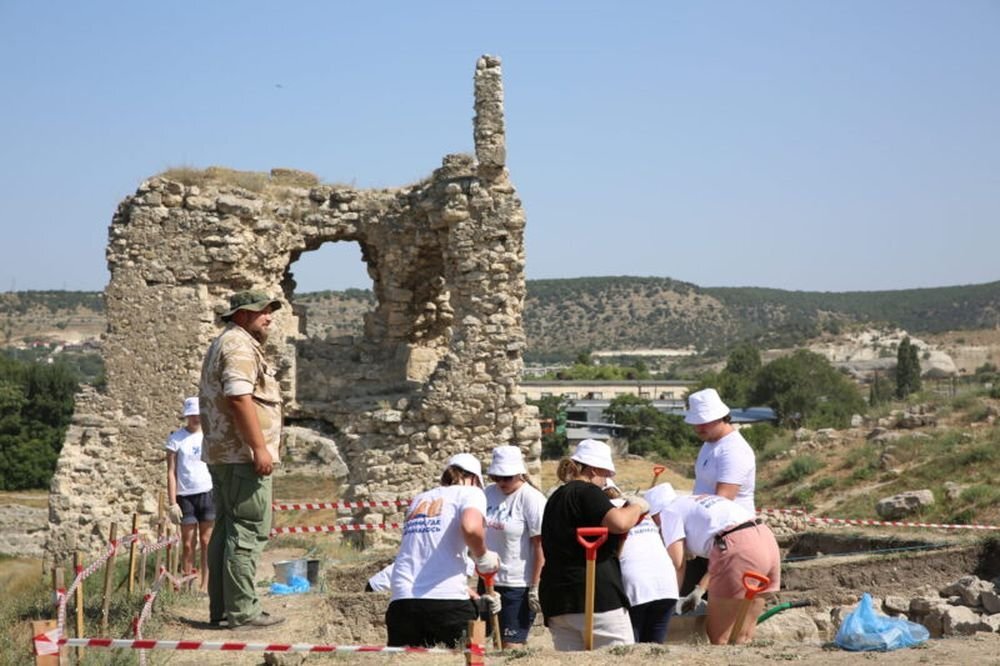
(581, 502)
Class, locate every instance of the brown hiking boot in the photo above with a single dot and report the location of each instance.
(263, 620)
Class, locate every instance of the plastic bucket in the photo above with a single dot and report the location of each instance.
(285, 569)
(312, 571)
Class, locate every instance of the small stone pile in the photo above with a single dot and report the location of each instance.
(966, 606)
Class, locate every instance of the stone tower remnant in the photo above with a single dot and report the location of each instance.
(435, 372)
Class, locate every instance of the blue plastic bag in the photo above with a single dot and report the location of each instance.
(295, 585)
(866, 629)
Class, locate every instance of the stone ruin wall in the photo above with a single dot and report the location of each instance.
(436, 371)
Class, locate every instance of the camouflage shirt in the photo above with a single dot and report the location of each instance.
(235, 365)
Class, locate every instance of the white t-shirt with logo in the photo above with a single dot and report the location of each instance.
(698, 518)
(647, 571)
(192, 474)
(511, 521)
(431, 563)
(727, 460)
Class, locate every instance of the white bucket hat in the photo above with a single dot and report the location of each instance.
(469, 463)
(659, 497)
(507, 461)
(191, 407)
(705, 406)
(593, 453)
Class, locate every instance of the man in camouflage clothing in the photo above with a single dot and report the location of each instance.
(241, 419)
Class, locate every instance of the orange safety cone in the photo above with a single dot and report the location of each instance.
(601, 534)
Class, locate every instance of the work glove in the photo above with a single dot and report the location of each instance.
(534, 605)
(493, 602)
(488, 562)
(175, 514)
(691, 601)
(638, 501)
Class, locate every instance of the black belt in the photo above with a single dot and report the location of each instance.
(720, 538)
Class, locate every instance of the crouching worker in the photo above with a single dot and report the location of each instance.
(734, 542)
(430, 602)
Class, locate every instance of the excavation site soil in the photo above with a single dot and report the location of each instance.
(829, 567)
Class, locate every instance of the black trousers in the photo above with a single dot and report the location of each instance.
(693, 572)
(429, 622)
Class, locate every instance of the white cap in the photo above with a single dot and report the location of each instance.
(705, 406)
(507, 461)
(469, 463)
(191, 407)
(659, 497)
(593, 453)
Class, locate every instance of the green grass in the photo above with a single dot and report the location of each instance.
(799, 469)
(33, 601)
(775, 447)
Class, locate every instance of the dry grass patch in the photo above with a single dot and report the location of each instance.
(254, 181)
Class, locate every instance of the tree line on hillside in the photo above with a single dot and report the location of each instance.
(619, 312)
(22, 302)
(36, 405)
(803, 389)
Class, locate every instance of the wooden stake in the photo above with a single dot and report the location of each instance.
(77, 568)
(109, 578)
(477, 643)
(131, 555)
(58, 586)
(160, 529)
(40, 627)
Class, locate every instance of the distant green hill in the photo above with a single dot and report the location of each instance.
(565, 317)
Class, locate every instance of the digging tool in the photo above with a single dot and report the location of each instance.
(761, 584)
(601, 535)
(494, 619)
(783, 607)
(657, 471)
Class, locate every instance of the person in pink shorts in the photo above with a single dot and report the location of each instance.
(734, 543)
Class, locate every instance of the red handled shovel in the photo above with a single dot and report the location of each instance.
(752, 589)
(495, 619)
(601, 535)
(657, 471)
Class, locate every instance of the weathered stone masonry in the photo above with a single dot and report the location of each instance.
(436, 371)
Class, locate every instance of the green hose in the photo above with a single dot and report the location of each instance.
(782, 607)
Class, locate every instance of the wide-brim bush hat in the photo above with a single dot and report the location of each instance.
(659, 497)
(593, 453)
(253, 300)
(705, 406)
(467, 462)
(507, 461)
(191, 407)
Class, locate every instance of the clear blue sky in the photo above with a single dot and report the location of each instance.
(832, 146)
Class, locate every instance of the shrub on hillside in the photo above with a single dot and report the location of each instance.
(798, 469)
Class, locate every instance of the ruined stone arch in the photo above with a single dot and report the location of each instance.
(435, 372)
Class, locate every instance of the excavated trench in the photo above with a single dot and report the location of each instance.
(828, 569)
(831, 569)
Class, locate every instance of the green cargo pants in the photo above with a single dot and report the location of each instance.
(242, 527)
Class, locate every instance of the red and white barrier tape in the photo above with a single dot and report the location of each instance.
(83, 573)
(147, 607)
(878, 523)
(151, 547)
(47, 644)
(350, 527)
(310, 506)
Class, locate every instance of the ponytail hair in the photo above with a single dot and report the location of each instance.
(569, 469)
